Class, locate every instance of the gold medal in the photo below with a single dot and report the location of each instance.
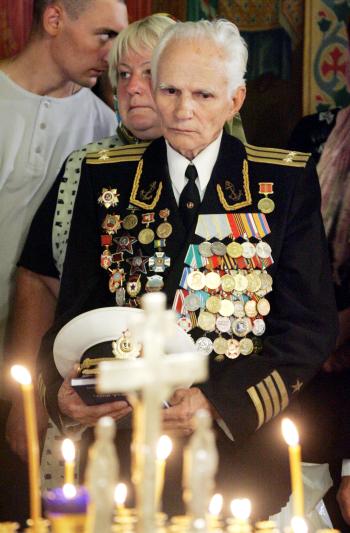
(254, 281)
(263, 307)
(226, 308)
(164, 230)
(234, 249)
(227, 283)
(246, 346)
(250, 308)
(266, 282)
(220, 345)
(233, 349)
(213, 304)
(212, 280)
(241, 282)
(146, 236)
(130, 222)
(206, 321)
(196, 280)
(266, 205)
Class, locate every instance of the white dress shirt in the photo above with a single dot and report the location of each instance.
(204, 163)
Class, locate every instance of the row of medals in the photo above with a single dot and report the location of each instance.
(236, 305)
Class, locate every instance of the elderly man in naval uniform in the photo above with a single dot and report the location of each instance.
(233, 235)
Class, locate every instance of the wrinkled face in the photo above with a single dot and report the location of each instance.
(192, 96)
(81, 46)
(135, 101)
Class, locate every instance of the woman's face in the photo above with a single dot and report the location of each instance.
(136, 106)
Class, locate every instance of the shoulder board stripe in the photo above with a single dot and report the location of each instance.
(301, 164)
(267, 150)
(107, 160)
(124, 149)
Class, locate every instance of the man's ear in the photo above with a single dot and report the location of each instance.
(52, 19)
(237, 101)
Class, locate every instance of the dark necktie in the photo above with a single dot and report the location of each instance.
(189, 198)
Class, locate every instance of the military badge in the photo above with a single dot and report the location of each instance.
(266, 204)
(125, 243)
(138, 264)
(108, 198)
(111, 224)
(159, 262)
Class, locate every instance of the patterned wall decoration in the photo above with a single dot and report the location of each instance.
(15, 22)
(326, 55)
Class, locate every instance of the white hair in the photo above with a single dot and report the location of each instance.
(222, 33)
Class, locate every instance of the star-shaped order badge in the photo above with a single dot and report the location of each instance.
(108, 197)
(297, 386)
(138, 264)
(125, 243)
(159, 262)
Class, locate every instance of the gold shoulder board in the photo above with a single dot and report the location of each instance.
(119, 154)
(276, 156)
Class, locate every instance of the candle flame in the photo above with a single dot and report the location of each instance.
(299, 525)
(21, 374)
(120, 493)
(69, 491)
(164, 447)
(290, 432)
(241, 508)
(68, 450)
(215, 505)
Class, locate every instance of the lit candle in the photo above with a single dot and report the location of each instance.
(291, 436)
(68, 452)
(299, 525)
(163, 451)
(241, 509)
(66, 500)
(23, 377)
(120, 493)
(215, 508)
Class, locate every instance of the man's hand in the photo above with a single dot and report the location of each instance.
(16, 430)
(70, 404)
(183, 405)
(343, 498)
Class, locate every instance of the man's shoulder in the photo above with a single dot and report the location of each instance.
(276, 156)
(126, 153)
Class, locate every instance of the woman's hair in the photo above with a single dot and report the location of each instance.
(222, 33)
(144, 33)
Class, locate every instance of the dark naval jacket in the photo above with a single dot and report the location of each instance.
(248, 391)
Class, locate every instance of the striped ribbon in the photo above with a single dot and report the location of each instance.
(193, 257)
(236, 224)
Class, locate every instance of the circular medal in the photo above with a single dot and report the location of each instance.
(266, 281)
(258, 345)
(196, 280)
(250, 308)
(205, 249)
(238, 309)
(192, 302)
(206, 321)
(227, 283)
(130, 221)
(263, 307)
(233, 349)
(254, 281)
(234, 249)
(246, 346)
(219, 358)
(241, 326)
(120, 297)
(263, 250)
(154, 283)
(248, 250)
(146, 236)
(204, 345)
(220, 345)
(226, 308)
(266, 205)
(212, 280)
(164, 230)
(185, 323)
(213, 304)
(241, 282)
(223, 324)
(259, 327)
(218, 248)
